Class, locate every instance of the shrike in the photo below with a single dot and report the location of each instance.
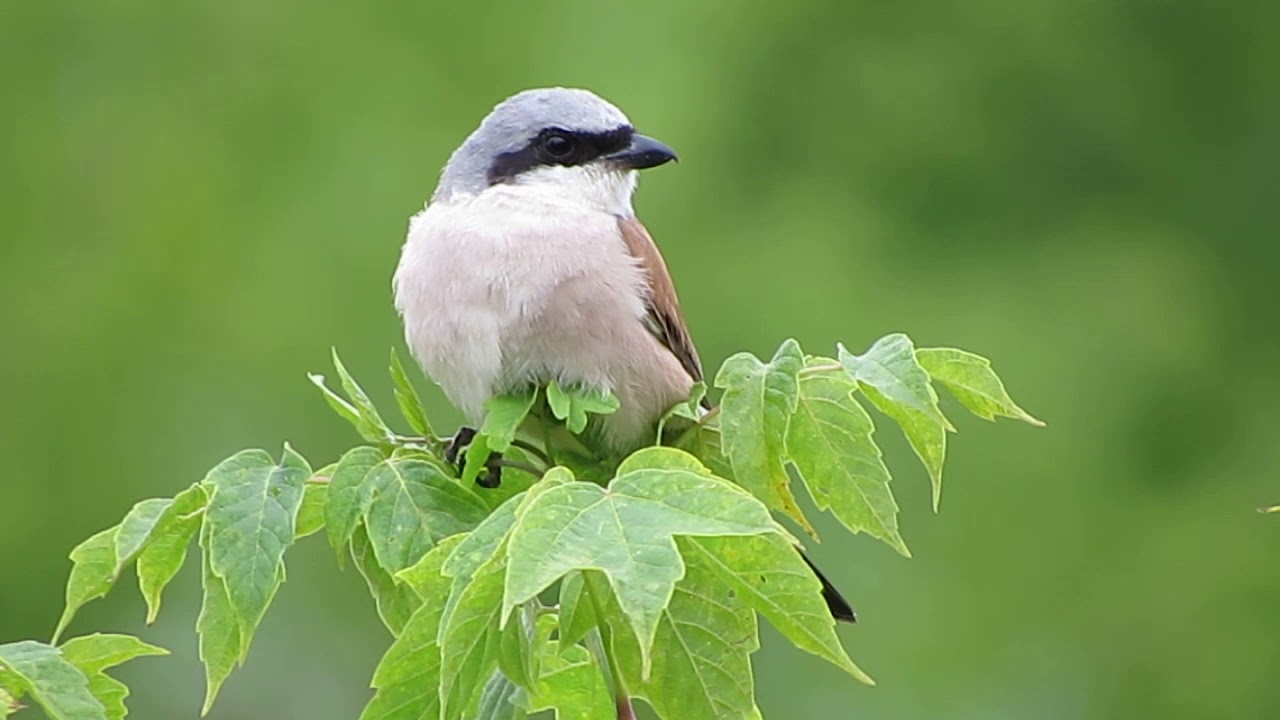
(528, 265)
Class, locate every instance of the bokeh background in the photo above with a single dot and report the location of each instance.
(198, 199)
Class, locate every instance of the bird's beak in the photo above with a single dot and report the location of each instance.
(643, 152)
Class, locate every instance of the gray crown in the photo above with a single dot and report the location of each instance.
(517, 120)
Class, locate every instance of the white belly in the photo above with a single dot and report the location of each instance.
(509, 288)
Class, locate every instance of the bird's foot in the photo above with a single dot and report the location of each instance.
(491, 476)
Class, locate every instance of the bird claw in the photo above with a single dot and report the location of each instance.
(491, 476)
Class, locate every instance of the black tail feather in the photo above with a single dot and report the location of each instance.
(839, 607)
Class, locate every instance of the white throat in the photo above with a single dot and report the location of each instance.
(592, 186)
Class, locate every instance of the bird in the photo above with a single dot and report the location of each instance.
(528, 265)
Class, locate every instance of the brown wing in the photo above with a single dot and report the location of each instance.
(664, 319)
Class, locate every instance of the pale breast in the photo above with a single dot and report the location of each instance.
(510, 288)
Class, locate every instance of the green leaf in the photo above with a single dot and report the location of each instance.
(166, 550)
(408, 676)
(627, 531)
(890, 366)
(369, 416)
(928, 436)
(503, 416)
(395, 601)
(347, 411)
(767, 574)
(8, 704)
(469, 637)
(135, 530)
(829, 441)
(577, 618)
(973, 382)
(347, 503)
(407, 398)
(570, 682)
(758, 401)
(701, 653)
(315, 496)
(93, 654)
(218, 626)
(689, 409)
(704, 442)
(412, 506)
(249, 524)
(93, 563)
(515, 654)
(572, 404)
(500, 699)
(57, 686)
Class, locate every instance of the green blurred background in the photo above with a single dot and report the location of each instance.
(198, 199)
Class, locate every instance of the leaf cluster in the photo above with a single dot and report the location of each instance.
(580, 583)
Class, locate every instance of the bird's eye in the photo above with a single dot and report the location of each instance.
(559, 146)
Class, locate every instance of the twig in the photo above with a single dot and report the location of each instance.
(535, 450)
(533, 470)
(319, 479)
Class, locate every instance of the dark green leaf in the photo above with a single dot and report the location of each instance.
(346, 501)
(408, 676)
(57, 686)
(500, 699)
(407, 398)
(412, 506)
(166, 550)
(577, 617)
(219, 628)
(516, 659)
(627, 532)
(758, 401)
(395, 601)
(829, 441)
(249, 525)
(469, 636)
(767, 574)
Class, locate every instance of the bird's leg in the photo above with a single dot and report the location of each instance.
(491, 476)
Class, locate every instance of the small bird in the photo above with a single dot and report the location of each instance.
(528, 265)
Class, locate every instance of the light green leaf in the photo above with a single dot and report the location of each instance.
(219, 628)
(689, 409)
(501, 699)
(1268, 510)
(136, 529)
(408, 676)
(93, 654)
(577, 617)
(758, 401)
(57, 686)
(572, 404)
(249, 525)
(8, 704)
(767, 574)
(412, 506)
(626, 531)
(928, 436)
(347, 411)
(829, 441)
(347, 502)
(890, 366)
(407, 398)
(369, 416)
(469, 637)
(395, 601)
(503, 416)
(93, 562)
(166, 550)
(701, 653)
(311, 514)
(973, 382)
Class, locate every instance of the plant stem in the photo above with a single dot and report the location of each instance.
(821, 368)
(598, 643)
(535, 450)
(516, 465)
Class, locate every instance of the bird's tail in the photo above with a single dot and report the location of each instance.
(839, 607)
